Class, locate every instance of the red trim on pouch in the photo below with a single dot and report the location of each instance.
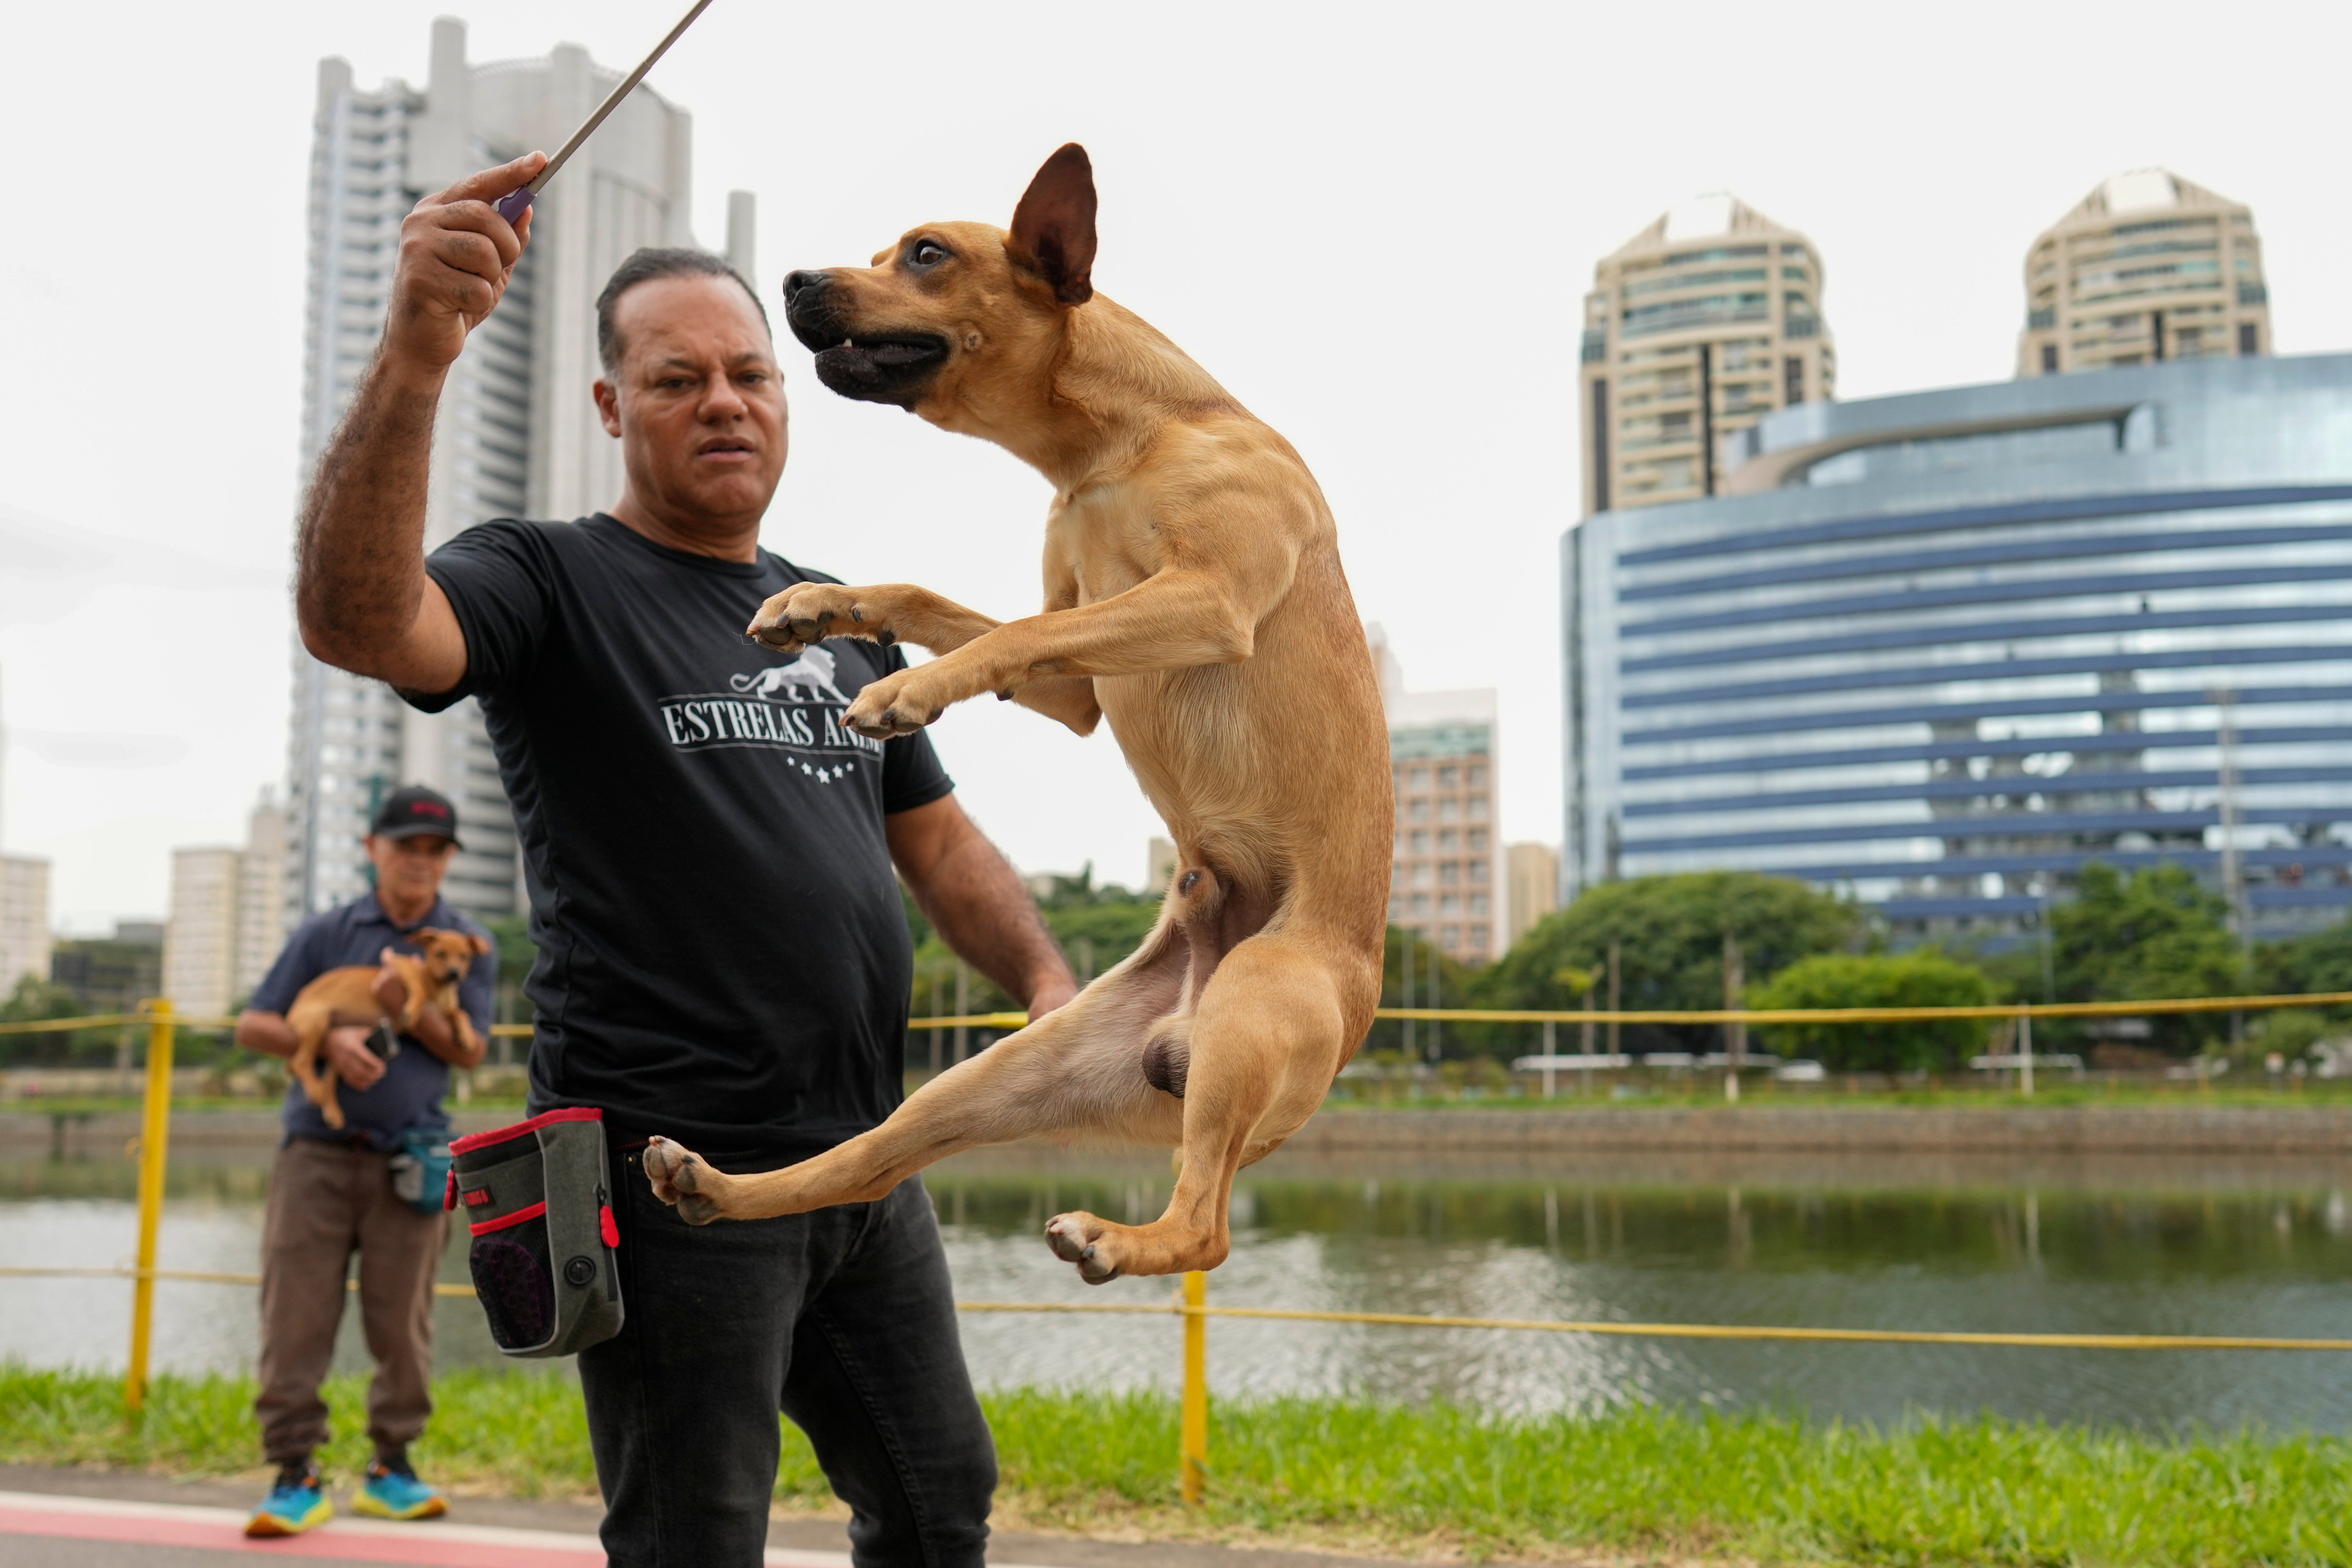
(604, 1226)
(477, 1197)
(473, 1141)
(504, 1220)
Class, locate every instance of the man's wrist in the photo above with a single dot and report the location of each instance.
(402, 372)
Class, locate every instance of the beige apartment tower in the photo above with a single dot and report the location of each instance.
(1532, 873)
(1445, 885)
(228, 916)
(1695, 328)
(2147, 266)
(23, 919)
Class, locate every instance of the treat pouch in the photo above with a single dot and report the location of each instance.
(534, 1197)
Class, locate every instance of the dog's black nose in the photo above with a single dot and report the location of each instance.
(796, 281)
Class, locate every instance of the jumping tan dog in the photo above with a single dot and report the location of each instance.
(1194, 598)
(341, 997)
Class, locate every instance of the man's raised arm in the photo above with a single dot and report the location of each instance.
(361, 593)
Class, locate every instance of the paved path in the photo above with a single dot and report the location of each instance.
(102, 1519)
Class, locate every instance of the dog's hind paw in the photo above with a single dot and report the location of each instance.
(1077, 1238)
(684, 1179)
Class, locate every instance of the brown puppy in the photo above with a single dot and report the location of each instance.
(1194, 598)
(347, 997)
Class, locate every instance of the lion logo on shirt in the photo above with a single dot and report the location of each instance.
(811, 673)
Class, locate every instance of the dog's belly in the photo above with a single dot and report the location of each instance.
(1275, 769)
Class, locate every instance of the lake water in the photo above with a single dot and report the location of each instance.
(2126, 1246)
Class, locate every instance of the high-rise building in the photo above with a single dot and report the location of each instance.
(2147, 266)
(1447, 875)
(1532, 871)
(261, 928)
(23, 919)
(200, 937)
(518, 433)
(1695, 328)
(228, 916)
(1940, 651)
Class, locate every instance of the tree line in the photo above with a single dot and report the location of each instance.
(2143, 935)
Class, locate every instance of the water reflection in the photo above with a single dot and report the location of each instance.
(2161, 1246)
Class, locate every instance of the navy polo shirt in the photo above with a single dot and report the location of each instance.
(409, 1093)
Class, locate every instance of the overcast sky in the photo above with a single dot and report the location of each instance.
(1373, 223)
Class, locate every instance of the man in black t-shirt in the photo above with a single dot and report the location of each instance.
(723, 955)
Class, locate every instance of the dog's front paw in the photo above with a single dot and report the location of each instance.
(812, 612)
(1081, 1238)
(895, 705)
(686, 1181)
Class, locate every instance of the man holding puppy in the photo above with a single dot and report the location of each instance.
(360, 1188)
(710, 855)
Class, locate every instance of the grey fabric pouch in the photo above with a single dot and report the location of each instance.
(533, 1196)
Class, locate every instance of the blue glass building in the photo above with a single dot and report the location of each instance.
(1941, 650)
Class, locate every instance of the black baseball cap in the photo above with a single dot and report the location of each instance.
(412, 811)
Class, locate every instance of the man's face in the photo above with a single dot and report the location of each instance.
(697, 400)
(410, 869)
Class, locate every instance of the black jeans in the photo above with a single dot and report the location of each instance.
(842, 1319)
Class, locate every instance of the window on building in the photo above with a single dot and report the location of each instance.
(1793, 381)
(1480, 936)
(2248, 343)
(1449, 937)
(1601, 445)
(1419, 838)
(1478, 840)
(1421, 903)
(1449, 903)
(1417, 779)
(2050, 359)
(1478, 903)
(1421, 874)
(1449, 872)
(1446, 776)
(1478, 809)
(1475, 775)
(1417, 809)
(1448, 807)
(1477, 870)
(1448, 840)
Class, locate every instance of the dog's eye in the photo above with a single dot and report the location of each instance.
(926, 254)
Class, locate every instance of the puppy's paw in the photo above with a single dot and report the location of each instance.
(1081, 1238)
(685, 1181)
(812, 612)
(895, 705)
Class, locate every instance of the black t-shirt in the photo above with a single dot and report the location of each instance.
(723, 956)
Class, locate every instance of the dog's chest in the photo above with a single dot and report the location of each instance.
(1103, 538)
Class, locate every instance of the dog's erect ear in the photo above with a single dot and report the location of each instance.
(480, 944)
(1053, 226)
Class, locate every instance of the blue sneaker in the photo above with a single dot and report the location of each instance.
(392, 1492)
(296, 1503)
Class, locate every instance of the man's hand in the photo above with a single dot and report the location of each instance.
(391, 990)
(457, 258)
(347, 1052)
(966, 889)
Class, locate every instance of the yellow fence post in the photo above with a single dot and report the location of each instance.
(154, 1133)
(1193, 1438)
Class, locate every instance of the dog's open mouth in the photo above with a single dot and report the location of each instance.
(883, 369)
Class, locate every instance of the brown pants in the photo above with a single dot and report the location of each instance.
(325, 1201)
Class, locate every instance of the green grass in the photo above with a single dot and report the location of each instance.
(1761, 1486)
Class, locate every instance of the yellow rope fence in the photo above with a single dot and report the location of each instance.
(1180, 1308)
(1505, 1015)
